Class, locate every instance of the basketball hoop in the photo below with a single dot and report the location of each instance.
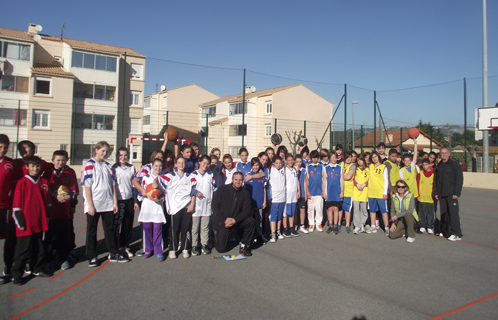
(493, 128)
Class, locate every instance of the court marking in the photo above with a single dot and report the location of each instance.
(21, 293)
(468, 305)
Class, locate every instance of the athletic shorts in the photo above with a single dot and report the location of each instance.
(277, 211)
(290, 209)
(301, 203)
(329, 204)
(347, 204)
(375, 205)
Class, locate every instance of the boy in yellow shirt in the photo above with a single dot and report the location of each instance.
(425, 183)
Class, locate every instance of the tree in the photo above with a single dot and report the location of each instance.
(459, 139)
(437, 134)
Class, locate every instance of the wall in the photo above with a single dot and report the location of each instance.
(480, 180)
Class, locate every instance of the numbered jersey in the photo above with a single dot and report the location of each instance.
(349, 184)
(361, 177)
(411, 179)
(315, 182)
(426, 185)
(376, 182)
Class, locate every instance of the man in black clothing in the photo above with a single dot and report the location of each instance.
(232, 209)
(448, 181)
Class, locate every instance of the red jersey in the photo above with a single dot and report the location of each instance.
(73, 173)
(55, 180)
(22, 170)
(32, 198)
(7, 181)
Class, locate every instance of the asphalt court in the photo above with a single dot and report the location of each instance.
(317, 276)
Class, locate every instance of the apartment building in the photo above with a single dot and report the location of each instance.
(288, 110)
(68, 94)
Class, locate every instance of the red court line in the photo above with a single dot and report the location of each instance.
(473, 243)
(468, 305)
(20, 294)
(56, 275)
(60, 293)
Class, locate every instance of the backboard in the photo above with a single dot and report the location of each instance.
(487, 118)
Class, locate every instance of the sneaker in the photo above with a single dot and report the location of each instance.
(273, 238)
(93, 263)
(422, 230)
(27, 269)
(339, 227)
(196, 251)
(172, 255)
(245, 251)
(114, 257)
(122, 259)
(160, 257)
(410, 239)
(287, 233)
(454, 238)
(303, 229)
(357, 231)
(147, 255)
(206, 250)
(362, 229)
(185, 254)
(348, 229)
(73, 256)
(329, 230)
(139, 253)
(372, 229)
(312, 228)
(263, 239)
(386, 231)
(430, 231)
(129, 253)
(280, 235)
(319, 228)
(336, 230)
(294, 233)
(7, 273)
(41, 274)
(65, 265)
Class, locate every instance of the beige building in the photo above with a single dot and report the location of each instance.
(68, 94)
(288, 110)
(396, 139)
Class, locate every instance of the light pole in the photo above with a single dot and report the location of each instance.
(352, 106)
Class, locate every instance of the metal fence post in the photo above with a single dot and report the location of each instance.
(207, 134)
(400, 139)
(361, 138)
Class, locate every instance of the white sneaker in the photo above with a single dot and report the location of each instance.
(410, 239)
(319, 228)
(386, 232)
(302, 229)
(280, 235)
(129, 253)
(356, 230)
(430, 231)
(372, 229)
(186, 254)
(362, 229)
(454, 238)
(312, 228)
(273, 238)
(172, 254)
(423, 230)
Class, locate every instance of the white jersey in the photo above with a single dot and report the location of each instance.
(178, 190)
(124, 176)
(229, 175)
(99, 177)
(292, 181)
(203, 183)
(277, 183)
(151, 211)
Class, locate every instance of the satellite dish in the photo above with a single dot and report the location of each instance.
(38, 28)
(37, 38)
(163, 87)
(253, 89)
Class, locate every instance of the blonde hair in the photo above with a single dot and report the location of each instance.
(99, 145)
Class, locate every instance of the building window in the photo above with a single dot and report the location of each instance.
(13, 117)
(135, 98)
(146, 103)
(63, 147)
(41, 119)
(237, 130)
(84, 152)
(267, 130)
(15, 51)
(234, 151)
(211, 131)
(146, 120)
(269, 107)
(136, 71)
(165, 102)
(209, 112)
(236, 108)
(135, 126)
(134, 156)
(42, 85)
(37, 148)
(165, 120)
(14, 83)
(94, 91)
(94, 121)
(93, 61)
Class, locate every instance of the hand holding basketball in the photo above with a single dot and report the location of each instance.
(171, 134)
(151, 192)
(413, 133)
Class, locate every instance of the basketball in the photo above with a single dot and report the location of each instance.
(63, 190)
(413, 133)
(151, 192)
(276, 139)
(172, 134)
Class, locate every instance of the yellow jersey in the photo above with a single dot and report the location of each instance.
(425, 188)
(376, 185)
(361, 177)
(411, 180)
(393, 174)
(348, 185)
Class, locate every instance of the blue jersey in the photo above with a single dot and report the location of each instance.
(333, 182)
(243, 167)
(315, 179)
(268, 187)
(256, 188)
(302, 175)
(305, 163)
(190, 165)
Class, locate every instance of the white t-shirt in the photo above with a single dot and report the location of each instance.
(402, 173)
(291, 180)
(100, 178)
(203, 183)
(178, 190)
(229, 175)
(124, 176)
(277, 183)
(151, 211)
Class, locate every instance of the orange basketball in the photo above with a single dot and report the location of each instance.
(151, 192)
(413, 133)
(172, 134)
(63, 190)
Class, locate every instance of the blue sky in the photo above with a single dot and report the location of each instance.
(370, 45)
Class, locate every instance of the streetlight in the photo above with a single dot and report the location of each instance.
(352, 106)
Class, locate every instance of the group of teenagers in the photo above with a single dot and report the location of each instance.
(289, 195)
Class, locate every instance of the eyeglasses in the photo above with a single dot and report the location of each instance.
(402, 187)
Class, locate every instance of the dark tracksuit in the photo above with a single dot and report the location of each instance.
(447, 183)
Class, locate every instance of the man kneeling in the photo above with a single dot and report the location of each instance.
(232, 209)
(403, 211)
